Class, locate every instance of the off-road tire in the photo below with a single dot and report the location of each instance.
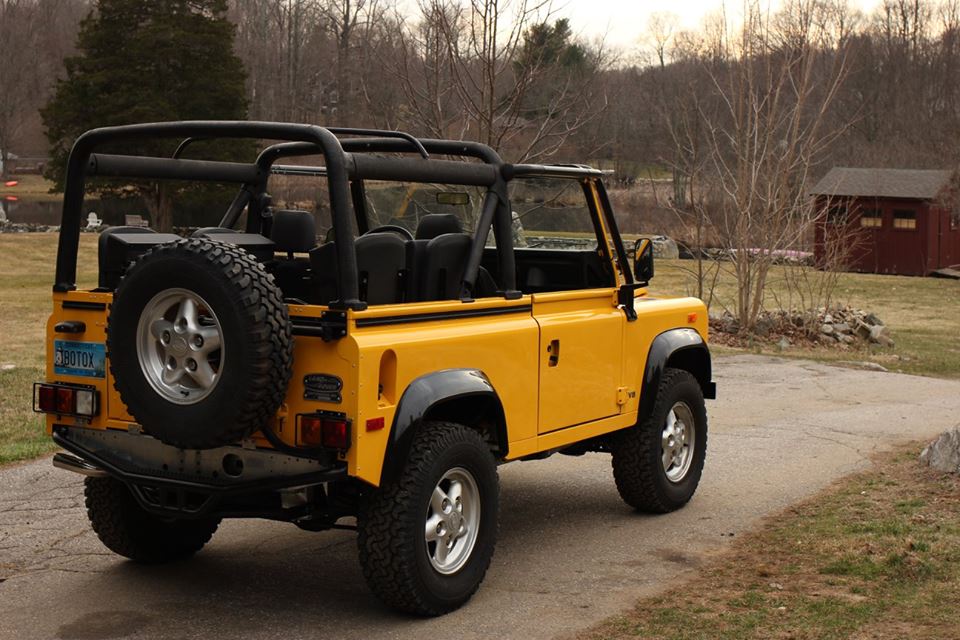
(637, 468)
(125, 528)
(393, 553)
(256, 332)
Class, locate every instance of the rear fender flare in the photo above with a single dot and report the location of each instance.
(682, 349)
(439, 394)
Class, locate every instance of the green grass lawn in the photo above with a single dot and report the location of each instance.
(923, 313)
(27, 276)
(875, 556)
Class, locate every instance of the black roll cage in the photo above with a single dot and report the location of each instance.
(346, 153)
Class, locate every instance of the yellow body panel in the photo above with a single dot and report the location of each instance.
(550, 398)
(545, 407)
(95, 321)
(503, 347)
(581, 338)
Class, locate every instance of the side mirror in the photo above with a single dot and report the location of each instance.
(643, 261)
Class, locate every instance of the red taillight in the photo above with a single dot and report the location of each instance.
(375, 424)
(310, 430)
(65, 399)
(325, 431)
(46, 399)
(335, 434)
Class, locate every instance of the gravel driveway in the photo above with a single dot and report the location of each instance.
(570, 553)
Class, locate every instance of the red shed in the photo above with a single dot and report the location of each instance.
(889, 220)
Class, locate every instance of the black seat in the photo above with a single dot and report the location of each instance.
(430, 227)
(381, 266)
(117, 247)
(293, 232)
(437, 224)
(324, 274)
(440, 275)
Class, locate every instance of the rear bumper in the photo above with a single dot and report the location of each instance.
(224, 482)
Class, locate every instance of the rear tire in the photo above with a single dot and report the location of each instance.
(657, 463)
(447, 494)
(125, 528)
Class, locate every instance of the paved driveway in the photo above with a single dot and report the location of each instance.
(570, 552)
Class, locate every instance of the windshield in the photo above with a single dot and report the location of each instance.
(404, 204)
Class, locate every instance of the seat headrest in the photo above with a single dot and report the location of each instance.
(293, 231)
(437, 224)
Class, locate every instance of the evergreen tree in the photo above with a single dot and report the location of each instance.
(146, 61)
(546, 45)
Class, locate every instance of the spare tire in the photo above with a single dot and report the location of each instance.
(199, 343)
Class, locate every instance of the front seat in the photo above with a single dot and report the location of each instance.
(431, 227)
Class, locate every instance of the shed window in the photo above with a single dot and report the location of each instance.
(905, 219)
(871, 219)
(837, 214)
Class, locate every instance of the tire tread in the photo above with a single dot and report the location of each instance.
(635, 469)
(269, 336)
(384, 555)
(126, 529)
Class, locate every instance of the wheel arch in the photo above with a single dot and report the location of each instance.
(682, 348)
(465, 396)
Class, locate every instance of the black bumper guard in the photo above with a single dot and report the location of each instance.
(168, 493)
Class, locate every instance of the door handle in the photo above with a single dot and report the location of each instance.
(70, 326)
(554, 350)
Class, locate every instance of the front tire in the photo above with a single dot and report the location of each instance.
(657, 463)
(426, 540)
(125, 528)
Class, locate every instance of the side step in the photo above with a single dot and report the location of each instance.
(77, 465)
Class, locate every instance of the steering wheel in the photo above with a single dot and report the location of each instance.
(393, 228)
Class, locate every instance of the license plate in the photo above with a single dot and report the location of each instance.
(79, 358)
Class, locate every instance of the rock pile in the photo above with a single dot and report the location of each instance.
(25, 227)
(847, 325)
(839, 326)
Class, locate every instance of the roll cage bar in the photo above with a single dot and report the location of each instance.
(347, 162)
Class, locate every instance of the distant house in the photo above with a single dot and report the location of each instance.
(889, 220)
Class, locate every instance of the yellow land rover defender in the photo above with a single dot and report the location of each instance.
(368, 349)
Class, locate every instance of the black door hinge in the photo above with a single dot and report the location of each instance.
(331, 325)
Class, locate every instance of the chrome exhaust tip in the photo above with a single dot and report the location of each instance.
(78, 465)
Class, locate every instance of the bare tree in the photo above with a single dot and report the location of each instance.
(350, 22)
(465, 72)
(761, 134)
(18, 32)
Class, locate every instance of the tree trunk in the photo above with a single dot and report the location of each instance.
(160, 207)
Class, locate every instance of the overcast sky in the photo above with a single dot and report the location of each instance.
(625, 21)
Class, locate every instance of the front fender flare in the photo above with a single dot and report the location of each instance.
(424, 394)
(684, 349)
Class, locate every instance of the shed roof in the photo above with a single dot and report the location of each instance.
(883, 183)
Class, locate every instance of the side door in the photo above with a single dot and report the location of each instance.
(573, 281)
(581, 340)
